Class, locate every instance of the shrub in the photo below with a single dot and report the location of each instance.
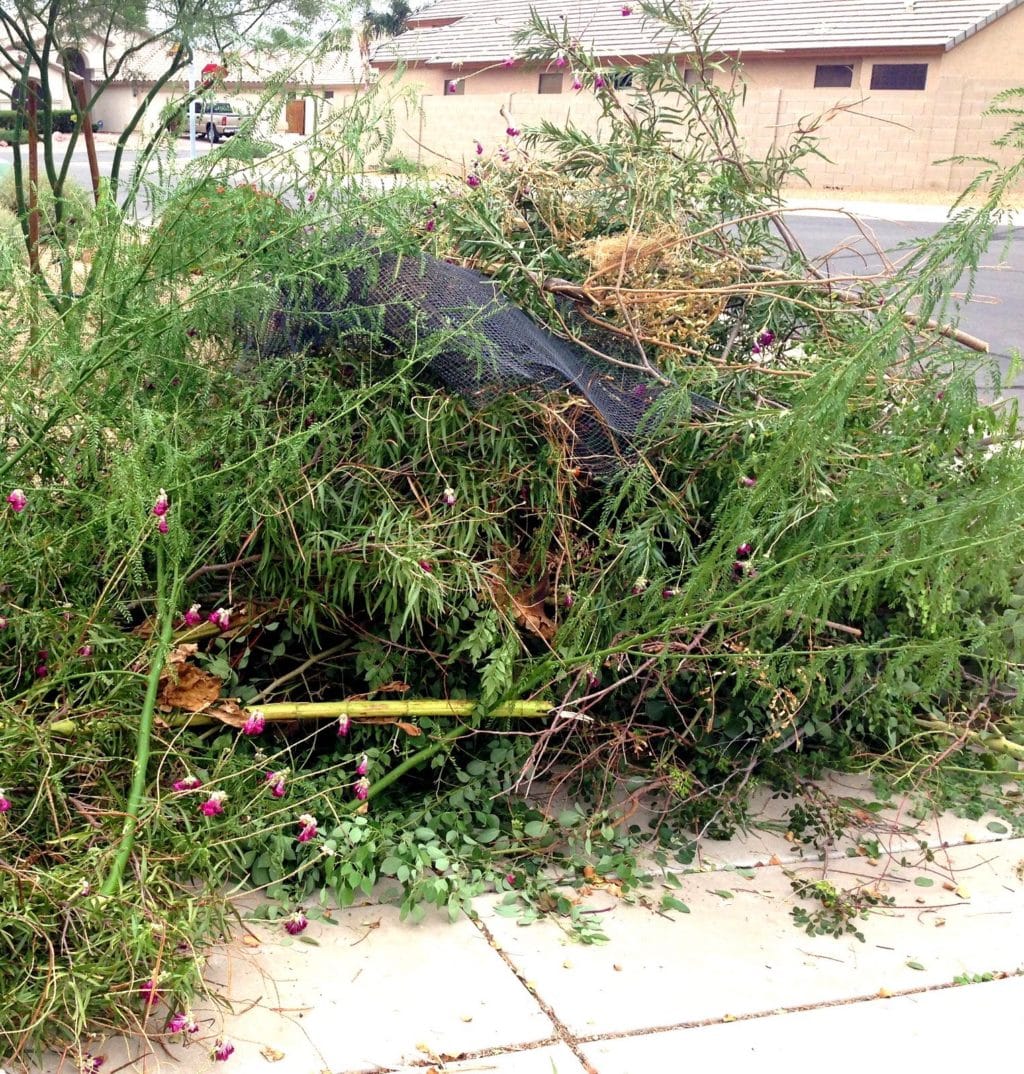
(77, 205)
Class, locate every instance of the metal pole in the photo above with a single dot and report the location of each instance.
(192, 108)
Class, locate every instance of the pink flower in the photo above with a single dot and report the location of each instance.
(363, 766)
(307, 828)
(593, 680)
(448, 497)
(5, 802)
(183, 1022)
(577, 85)
(738, 569)
(3, 622)
(745, 550)
(17, 499)
(193, 617)
(568, 600)
(85, 650)
(277, 782)
(162, 526)
(150, 993)
(453, 86)
(599, 82)
(748, 482)
(187, 783)
(344, 726)
(668, 593)
(222, 1051)
(89, 1063)
(42, 671)
(513, 132)
(362, 788)
(639, 586)
(479, 149)
(295, 923)
(426, 566)
(161, 504)
(508, 61)
(766, 338)
(473, 180)
(214, 804)
(503, 153)
(255, 723)
(626, 10)
(221, 617)
(560, 60)
(430, 225)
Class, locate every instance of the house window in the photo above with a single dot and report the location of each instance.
(454, 87)
(550, 83)
(328, 94)
(833, 75)
(899, 76)
(692, 77)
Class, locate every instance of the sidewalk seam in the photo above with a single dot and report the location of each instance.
(562, 1031)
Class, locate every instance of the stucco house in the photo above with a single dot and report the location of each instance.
(136, 70)
(913, 77)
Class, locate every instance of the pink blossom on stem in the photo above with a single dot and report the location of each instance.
(5, 802)
(255, 723)
(430, 224)
(150, 993)
(577, 85)
(295, 923)
(560, 60)
(745, 550)
(479, 149)
(453, 86)
(187, 783)
(85, 650)
(183, 1022)
(426, 566)
(508, 61)
(361, 789)
(42, 671)
(513, 132)
(222, 1051)
(627, 10)
(18, 500)
(599, 82)
(344, 726)
(161, 504)
(221, 618)
(277, 782)
(363, 766)
(448, 497)
(307, 828)
(162, 525)
(193, 617)
(748, 482)
(214, 804)
(473, 180)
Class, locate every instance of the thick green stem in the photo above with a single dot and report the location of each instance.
(417, 758)
(355, 710)
(131, 819)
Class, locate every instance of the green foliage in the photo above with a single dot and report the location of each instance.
(874, 613)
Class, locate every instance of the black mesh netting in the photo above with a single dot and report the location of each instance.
(474, 340)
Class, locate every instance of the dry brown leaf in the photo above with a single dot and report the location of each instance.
(272, 1055)
(250, 941)
(228, 711)
(527, 606)
(184, 686)
(408, 728)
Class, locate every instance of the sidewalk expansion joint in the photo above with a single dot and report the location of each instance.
(750, 1016)
(564, 1034)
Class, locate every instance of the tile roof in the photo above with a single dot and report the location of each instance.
(482, 32)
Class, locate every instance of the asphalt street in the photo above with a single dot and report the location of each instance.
(995, 312)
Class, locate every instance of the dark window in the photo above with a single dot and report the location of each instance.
(900, 76)
(328, 94)
(833, 74)
(454, 87)
(550, 83)
(692, 76)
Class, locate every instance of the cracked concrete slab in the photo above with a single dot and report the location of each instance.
(738, 952)
(557, 1059)
(948, 1029)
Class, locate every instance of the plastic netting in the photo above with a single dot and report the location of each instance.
(475, 342)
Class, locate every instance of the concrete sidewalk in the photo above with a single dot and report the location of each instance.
(731, 980)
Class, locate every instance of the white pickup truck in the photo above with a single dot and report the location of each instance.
(215, 120)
